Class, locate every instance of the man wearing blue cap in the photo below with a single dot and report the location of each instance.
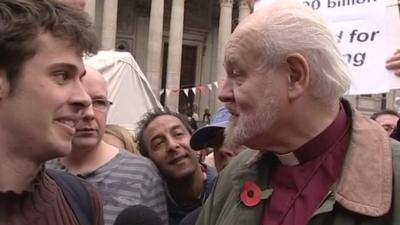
(212, 136)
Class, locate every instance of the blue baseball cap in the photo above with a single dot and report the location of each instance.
(206, 136)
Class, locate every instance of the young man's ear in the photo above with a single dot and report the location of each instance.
(4, 84)
(299, 75)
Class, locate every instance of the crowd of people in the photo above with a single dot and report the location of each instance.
(286, 148)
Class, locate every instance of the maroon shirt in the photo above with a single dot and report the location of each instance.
(299, 190)
(44, 204)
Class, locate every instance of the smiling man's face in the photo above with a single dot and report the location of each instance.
(47, 101)
(167, 141)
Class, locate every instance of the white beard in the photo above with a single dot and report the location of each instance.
(246, 127)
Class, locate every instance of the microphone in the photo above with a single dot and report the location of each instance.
(138, 214)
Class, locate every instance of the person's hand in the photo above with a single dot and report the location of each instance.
(393, 63)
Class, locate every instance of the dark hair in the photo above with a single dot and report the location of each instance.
(384, 112)
(22, 21)
(396, 132)
(149, 117)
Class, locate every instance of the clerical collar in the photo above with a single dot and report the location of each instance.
(318, 145)
(288, 159)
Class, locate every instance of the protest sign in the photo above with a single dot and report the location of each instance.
(367, 32)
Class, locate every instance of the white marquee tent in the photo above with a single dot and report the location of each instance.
(128, 88)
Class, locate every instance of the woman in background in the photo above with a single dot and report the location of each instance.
(120, 137)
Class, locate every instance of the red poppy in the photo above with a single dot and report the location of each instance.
(251, 194)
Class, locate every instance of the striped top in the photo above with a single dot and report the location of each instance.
(128, 179)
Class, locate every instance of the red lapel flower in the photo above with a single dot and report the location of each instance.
(252, 195)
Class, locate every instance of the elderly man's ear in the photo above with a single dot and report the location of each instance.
(298, 75)
(393, 63)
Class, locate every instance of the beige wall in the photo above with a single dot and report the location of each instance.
(206, 39)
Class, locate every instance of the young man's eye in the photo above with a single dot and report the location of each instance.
(61, 76)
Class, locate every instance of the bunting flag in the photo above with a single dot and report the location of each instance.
(216, 84)
(194, 90)
(201, 88)
(186, 91)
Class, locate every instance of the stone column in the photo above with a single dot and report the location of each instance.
(390, 99)
(90, 8)
(109, 27)
(154, 46)
(224, 32)
(352, 99)
(244, 9)
(175, 53)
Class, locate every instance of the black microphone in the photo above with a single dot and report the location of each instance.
(138, 214)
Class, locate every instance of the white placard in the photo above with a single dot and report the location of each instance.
(368, 32)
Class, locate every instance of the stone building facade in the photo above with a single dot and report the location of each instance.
(179, 46)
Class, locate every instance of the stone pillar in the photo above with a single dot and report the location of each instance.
(396, 100)
(154, 46)
(224, 32)
(109, 27)
(244, 9)
(352, 99)
(90, 8)
(390, 99)
(175, 53)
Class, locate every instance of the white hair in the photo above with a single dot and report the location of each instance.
(290, 27)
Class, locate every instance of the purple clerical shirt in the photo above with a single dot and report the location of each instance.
(299, 190)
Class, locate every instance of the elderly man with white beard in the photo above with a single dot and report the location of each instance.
(319, 161)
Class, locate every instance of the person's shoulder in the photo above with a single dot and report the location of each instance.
(134, 158)
(55, 164)
(138, 162)
(245, 157)
(239, 164)
(395, 144)
(396, 167)
(395, 149)
(211, 171)
(79, 193)
(96, 203)
(212, 174)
